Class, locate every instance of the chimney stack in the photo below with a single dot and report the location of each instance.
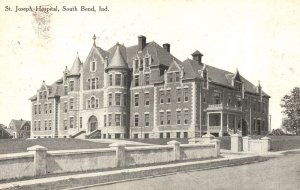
(166, 46)
(141, 42)
(197, 56)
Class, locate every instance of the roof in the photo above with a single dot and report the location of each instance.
(18, 124)
(117, 60)
(197, 53)
(218, 76)
(75, 70)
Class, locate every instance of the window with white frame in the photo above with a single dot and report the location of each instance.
(45, 108)
(118, 79)
(71, 103)
(162, 96)
(147, 79)
(168, 96)
(147, 119)
(168, 117)
(65, 124)
(186, 116)
(177, 76)
(109, 119)
(136, 80)
(65, 107)
(178, 116)
(45, 124)
(186, 94)
(118, 119)
(71, 84)
(178, 93)
(93, 66)
(104, 120)
(71, 122)
(147, 62)
(109, 99)
(147, 99)
(118, 99)
(136, 100)
(162, 118)
(110, 80)
(136, 120)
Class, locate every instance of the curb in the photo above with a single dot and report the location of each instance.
(81, 181)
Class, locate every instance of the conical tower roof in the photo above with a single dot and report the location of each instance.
(117, 61)
(76, 66)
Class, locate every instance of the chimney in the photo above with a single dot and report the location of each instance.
(197, 56)
(166, 46)
(142, 42)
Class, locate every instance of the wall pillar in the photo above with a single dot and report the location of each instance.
(40, 159)
(246, 143)
(265, 144)
(217, 143)
(236, 143)
(120, 154)
(176, 149)
(221, 131)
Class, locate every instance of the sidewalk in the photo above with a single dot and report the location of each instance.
(76, 180)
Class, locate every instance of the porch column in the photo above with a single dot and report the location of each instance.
(221, 131)
(235, 127)
(208, 132)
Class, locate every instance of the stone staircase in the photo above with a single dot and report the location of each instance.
(79, 135)
(94, 135)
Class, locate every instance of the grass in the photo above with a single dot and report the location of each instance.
(20, 145)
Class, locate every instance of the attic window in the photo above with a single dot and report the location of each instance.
(93, 66)
(147, 62)
(238, 86)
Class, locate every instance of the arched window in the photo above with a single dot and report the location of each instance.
(93, 66)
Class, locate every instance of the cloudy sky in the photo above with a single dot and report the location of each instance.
(260, 38)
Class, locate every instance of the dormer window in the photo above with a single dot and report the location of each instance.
(93, 66)
(238, 86)
(170, 77)
(45, 94)
(147, 62)
(177, 76)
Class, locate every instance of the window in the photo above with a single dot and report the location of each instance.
(161, 135)
(71, 103)
(178, 92)
(65, 124)
(168, 96)
(168, 135)
(40, 109)
(168, 118)
(125, 100)
(93, 83)
(146, 135)
(204, 99)
(110, 80)
(136, 64)
(147, 99)
(45, 124)
(45, 108)
(258, 106)
(80, 122)
(109, 99)
(65, 90)
(41, 95)
(246, 103)
(109, 119)
(147, 62)
(65, 107)
(71, 122)
(186, 94)
(147, 119)
(185, 135)
(161, 116)
(161, 97)
(118, 119)
(50, 108)
(136, 100)
(35, 109)
(147, 79)
(93, 66)
(125, 80)
(177, 76)
(45, 94)
(136, 120)
(39, 125)
(89, 84)
(34, 125)
(118, 99)
(136, 136)
(118, 79)
(178, 135)
(239, 103)
(263, 107)
(238, 86)
(136, 80)
(97, 103)
(124, 120)
(104, 119)
(217, 96)
(71, 85)
(170, 77)
(186, 116)
(93, 101)
(178, 117)
(97, 83)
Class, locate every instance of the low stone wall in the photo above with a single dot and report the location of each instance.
(39, 161)
(16, 166)
(256, 145)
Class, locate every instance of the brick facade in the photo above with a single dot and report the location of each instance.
(143, 91)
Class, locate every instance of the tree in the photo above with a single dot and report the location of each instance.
(291, 109)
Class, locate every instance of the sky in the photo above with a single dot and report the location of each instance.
(260, 38)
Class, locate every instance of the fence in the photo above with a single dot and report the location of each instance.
(39, 161)
(246, 144)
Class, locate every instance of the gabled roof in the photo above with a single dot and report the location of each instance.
(75, 70)
(219, 76)
(18, 124)
(197, 53)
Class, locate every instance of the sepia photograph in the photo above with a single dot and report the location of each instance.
(150, 94)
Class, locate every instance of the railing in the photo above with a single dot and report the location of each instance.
(214, 128)
(230, 131)
(213, 107)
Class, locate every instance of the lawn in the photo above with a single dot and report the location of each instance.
(20, 145)
(278, 143)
